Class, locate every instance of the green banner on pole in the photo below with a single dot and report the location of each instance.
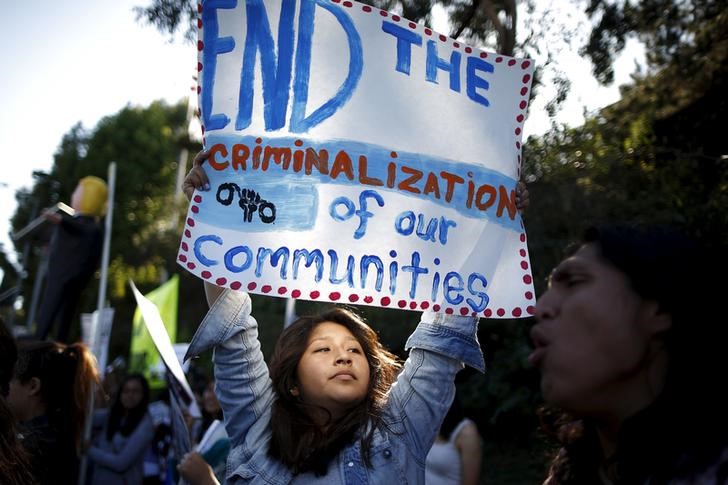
(143, 354)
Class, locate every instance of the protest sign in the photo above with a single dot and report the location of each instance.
(96, 333)
(177, 381)
(358, 157)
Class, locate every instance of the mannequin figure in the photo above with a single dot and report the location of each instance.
(74, 254)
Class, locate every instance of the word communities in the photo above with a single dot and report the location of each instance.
(313, 265)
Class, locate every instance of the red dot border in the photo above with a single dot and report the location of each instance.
(386, 301)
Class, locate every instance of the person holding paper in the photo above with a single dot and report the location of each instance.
(630, 343)
(128, 430)
(196, 471)
(211, 441)
(335, 406)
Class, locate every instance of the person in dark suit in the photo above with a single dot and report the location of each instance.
(75, 252)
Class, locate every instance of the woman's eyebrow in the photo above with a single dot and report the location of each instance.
(564, 269)
(558, 273)
(329, 337)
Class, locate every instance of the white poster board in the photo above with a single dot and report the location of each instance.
(158, 332)
(96, 334)
(358, 157)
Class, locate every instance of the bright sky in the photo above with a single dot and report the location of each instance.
(71, 61)
(81, 60)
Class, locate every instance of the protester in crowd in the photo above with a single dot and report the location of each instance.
(630, 344)
(48, 394)
(8, 356)
(14, 459)
(128, 430)
(456, 455)
(206, 463)
(217, 445)
(329, 410)
(157, 454)
(74, 255)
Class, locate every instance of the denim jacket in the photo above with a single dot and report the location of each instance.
(417, 402)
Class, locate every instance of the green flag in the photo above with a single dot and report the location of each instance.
(143, 355)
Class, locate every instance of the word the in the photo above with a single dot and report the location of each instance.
(474, 65)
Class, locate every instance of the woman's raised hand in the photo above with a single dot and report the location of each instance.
(197, 178)
(522, 197)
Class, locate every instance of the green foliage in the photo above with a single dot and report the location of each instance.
(169, 16)
(672, 31)
(631, 163)
(145, 144)
(488, 22)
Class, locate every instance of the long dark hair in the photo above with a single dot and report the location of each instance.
(296, 440)
(685, 429)
(14, 459)
(208, 417)
(67, 374)
(122, 420)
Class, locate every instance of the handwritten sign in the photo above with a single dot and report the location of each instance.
(358, 157)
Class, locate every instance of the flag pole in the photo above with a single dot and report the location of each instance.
(99, 315)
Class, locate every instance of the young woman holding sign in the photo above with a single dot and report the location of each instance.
(335, 406)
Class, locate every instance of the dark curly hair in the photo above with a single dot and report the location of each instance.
(685, 430)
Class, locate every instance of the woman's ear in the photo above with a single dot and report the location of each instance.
(656, 320)
(33, 387)
(294, 391)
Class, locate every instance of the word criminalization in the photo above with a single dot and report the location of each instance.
(383, 275)
(449, 185)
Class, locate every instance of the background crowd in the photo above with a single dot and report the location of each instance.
(657, 156)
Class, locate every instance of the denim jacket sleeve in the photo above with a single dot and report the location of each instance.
(450, 335)
(425, 388)
(242, 382)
